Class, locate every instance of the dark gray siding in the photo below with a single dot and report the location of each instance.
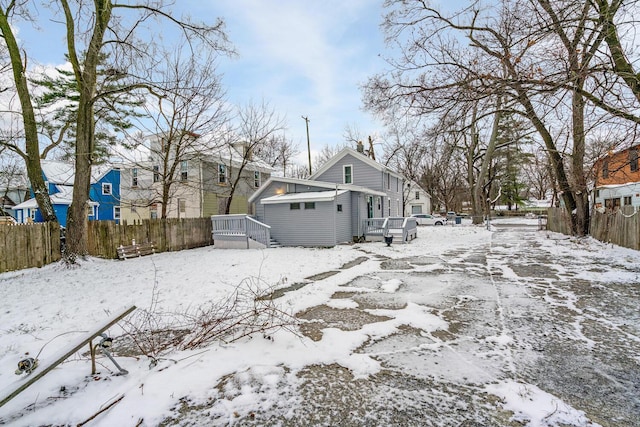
(312, 227)
(363, 174)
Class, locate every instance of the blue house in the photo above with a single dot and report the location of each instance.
(104, 194)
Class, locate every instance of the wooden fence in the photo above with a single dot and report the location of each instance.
(621, 227)
(35, 245)
(558, 220)
(104, 237)
(28, 245)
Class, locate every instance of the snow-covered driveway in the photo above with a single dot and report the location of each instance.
(463, 326)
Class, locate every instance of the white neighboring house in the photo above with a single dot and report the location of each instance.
(616, 195)
(417, 200)
(200, 187)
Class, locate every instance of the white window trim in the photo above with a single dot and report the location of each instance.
(117, 213)
(220, 174)
(344, 174)
(257, 179)
(106, 185)
(184, 170)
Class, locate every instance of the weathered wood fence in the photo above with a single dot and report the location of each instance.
(621, 227)
(28, 245)
(167, 235)
(35, 245)
(558, 220)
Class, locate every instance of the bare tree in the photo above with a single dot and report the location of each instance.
(11, 12)
(95, 31)
(257, 126)
(327, 152)
(184, 116)
(542, 57)
(278, 151)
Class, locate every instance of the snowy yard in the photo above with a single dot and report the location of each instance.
(463, 326)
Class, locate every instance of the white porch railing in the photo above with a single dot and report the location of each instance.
(235, 228)
(405, 228)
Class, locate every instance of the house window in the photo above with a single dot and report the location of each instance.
(633, 160)
(347, 174)
(627, 200)
(309, 205)
(106, 188)
(294, 206)
(184, 170)
(379, 204)
(612, 203)
(605, 169)
(417, 195)
(256, 179)
(156, 173)
(182, 206)
(222, 173)
(154, 211)
(116, 213)
(388, 181)
(32, 214)
(339, 208)
(389, 207)
(134, 177)
(597, 193)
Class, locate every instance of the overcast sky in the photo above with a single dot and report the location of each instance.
(305, 58)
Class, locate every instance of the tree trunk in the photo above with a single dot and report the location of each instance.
(86, 76)
(32, 155)
(580, 220)
(479, 189)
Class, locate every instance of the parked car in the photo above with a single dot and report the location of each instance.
(426, 219)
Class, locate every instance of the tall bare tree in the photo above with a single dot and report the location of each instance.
(95, 31)
(184, 116)
(12, 12)
(545, 57)
(257, 126)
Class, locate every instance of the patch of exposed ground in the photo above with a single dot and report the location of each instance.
(322, 276)
(321, 317)
(355, 262)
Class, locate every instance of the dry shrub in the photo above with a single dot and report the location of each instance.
(247, 310)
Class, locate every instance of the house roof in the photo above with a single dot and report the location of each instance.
(57, 172)
(63, 197)
(312, 196)
(350, 151)
(328, 185)
(414, 186)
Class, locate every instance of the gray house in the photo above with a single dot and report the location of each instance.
(350, 198)
(315, 213)
(353, 167)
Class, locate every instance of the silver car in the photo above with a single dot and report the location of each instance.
(426, 219)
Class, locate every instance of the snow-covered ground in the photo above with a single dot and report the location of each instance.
(463, 322)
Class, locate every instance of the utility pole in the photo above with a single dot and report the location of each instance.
(306, 119)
